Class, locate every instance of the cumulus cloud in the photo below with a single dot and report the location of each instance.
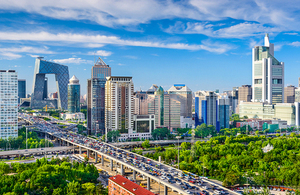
(103, 39)
(72, 61)
(295, 44)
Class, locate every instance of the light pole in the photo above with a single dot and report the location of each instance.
(178, 137)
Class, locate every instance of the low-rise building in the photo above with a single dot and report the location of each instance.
(119, 185)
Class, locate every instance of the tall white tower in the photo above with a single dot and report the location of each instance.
(267, 74)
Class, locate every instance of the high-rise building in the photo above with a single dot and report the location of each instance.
(224, 113)
(21, 89)
(73, 95)
(289, 94)
(183, 94)
(119, 105)
(267, 74)
(45, 88)
(43, 67)
(245, 93)
(297, 94)
(8, 104)
(96, 97)
(206, 108)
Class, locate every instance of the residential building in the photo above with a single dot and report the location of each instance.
(119, 105)
(39, 95)
(224, 113)
(96, 97)
(245, 93)
(119, 185)
(73, 95)
(21, 89)
(289, 94)
(8, 104)
(206, 109)
(267, 74)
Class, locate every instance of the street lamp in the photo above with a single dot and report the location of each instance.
(178, 137)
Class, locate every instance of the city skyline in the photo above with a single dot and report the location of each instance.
(166, 47)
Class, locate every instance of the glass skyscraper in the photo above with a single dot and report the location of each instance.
(96, 97)
(73, 95)
(267, 75)
(21, 89)
(8, 104)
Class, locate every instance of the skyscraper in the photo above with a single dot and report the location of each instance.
(43, 67)
(96, 97)
(289, 94)
(267, 74)
(224, 113)
(206, 108)
(8, 104)
(73, 95)
(21, 89)
(119, 105)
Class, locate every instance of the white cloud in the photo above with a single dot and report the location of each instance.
(295, 44)
(103, 39)
(241, 30)
(100, 53)
(291, 33)
(121, 64)
(14, 52)
(72, 61)
(131, 57)
(33, 56)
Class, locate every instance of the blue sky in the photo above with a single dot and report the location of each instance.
(205, 44)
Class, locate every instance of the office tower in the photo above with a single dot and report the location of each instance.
(96, 97)
(224, 113)
(73, 95)
(289, 94)
(43, 67)
(206, 108)
(267, 74)
(21, 89)
(183, 94)
(119, 105)
(297, 94)
(8, 104)
(245, 93)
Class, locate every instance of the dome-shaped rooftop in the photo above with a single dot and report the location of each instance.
(74, 80)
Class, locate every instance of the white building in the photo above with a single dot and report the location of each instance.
(267, 74)
(8, 104)
(119, 104)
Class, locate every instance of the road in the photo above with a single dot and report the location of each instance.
(35, 150)
(168, 176)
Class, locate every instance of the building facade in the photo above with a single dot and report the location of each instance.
(224, 113)
(267, 74)
(119, 104)
(289, 94)
(96, 97)
(43, 67)
(245, 93)
(73, 95)
(8, 104)
(21, 89)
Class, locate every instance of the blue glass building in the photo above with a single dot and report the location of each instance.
(21, 89)
(224, 113)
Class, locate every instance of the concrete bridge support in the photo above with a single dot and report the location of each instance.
(80, 150)
(102, 160)
(148, 183)
(166, 190)
(96, 157)
(122, 169)
(111, 165)
(88, 154)
(134, 174)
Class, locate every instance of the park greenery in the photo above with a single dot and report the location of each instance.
(161, 133)
(33, 141)
(112, 136)
(57, 177)
(240, 159)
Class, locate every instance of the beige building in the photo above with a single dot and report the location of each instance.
(245, 93)
(119, 105)
(289, 94)
(283, 111)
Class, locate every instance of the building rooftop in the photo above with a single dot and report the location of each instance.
(130, 186)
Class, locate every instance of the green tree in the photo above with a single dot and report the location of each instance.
(112, 136)
(73, 188)
(146, 144)
(89, 188)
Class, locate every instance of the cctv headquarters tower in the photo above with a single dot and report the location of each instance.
(43, 67)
